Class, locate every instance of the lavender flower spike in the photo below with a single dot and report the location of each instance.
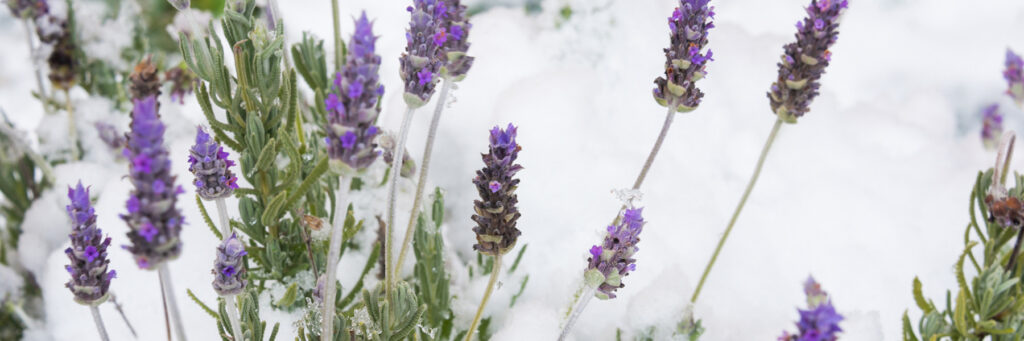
(210, 164)
(420, 63)
(991, 126)
(454, 38)
(90, 279)
(229, 268)
(25, 9)
(804, 61)
(1014, 75)
(496, 211)
(352, 104)
(154, 220)
(613, 259)
(820, 322)
(685, 63)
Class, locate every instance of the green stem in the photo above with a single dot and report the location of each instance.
(337, 36)
(334, 251)
(739, 208)
(495, 271)
(657, 146)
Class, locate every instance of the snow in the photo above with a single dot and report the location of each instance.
(867, 191)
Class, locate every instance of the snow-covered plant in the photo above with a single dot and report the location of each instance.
(820, 321)
(990, 304)
(90, 275)
(1014, 74)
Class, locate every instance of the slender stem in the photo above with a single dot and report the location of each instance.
(330, 293)
(657, 146)
(167, 316)
(739, 208)
(172, 303)
(396, 169)
(72, 130)
(222, 212)
(44, 166)
(236, 323)
(577, 310)
(424, 167)
(117, 305)
(1016, 251)
(495, 271)
(35, 66)
(337, 36)
(99, 323)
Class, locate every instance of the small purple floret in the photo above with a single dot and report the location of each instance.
(211, 167)
(991, 126)
(685, 64)
(229, 267)
(352, 108)
(90, 279)
(820, 321)
(614, 257)
(1014, 74)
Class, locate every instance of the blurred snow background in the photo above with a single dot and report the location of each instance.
(867, 191)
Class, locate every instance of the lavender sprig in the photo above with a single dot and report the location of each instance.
(420, 63)
(685, 62)
(820, 321)
(90, 278)
(352, 104)
(1014, 74)
(212, 169)
(991, 126)
(496, 212)
(613, 259)
(453, 37)
(804, 61)
(229, 267)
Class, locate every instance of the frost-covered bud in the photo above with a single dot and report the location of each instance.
(352, 104)
(153, 218)
(613, 259)
(183, 82)
(1014, 75)
(685, 64)
(145, 81)
(420, 63)
(109, 135)
(229, 268)
(496, 212)
(820, 322)
(90, 279)
(804, 61)
(454, 38)
(25, 9)
(210, 164)
(180, 5)
(991, 126)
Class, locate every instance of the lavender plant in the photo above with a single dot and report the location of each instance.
(819, 322)
(803, 62)
(229, 277)
(1014, 74)
(90, 278)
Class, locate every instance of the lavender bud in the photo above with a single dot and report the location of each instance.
(991, 126)
(804, 61)
(820, 322)
(109, 135)
(183, 82)
(145, 81)
(454, 38)
(613, 259)
(154, 221)
(90, 279)
(1014, 75)
(420, 63)
(352, 104)
(496, 211)
(685, 63)
(229, 268)
(210, 164)
(25, 9)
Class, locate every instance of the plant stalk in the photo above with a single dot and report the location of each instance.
(657, 147)
(35, 66)
(396, 169)
(337, 36)
(495, 271)
(739, 208)
(113, 298)
(222, 212)
(172, 302)
(424, 167)
(99, 323)
(330, 293)
(577, 310)
(236, 323)
(72, 130)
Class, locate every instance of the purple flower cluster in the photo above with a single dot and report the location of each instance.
(454, 39)
(210, 164)
(804, 61)
(420, 63)
(820, 322)
(229, 268)
(685, 62)
(991, 126)
(352, 104)
(613, 259)
(1014, 75)
(25, 9)
(155, 223)
(90, 279)
(496, 212)
(183, 82)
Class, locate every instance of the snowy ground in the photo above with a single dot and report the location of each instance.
(867, 191)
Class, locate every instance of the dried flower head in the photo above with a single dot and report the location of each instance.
(420, 63)
(1014, 75)
(496, 212)
(613, 259)
(686, 62)
(820, 322)
(229, 268)
(991, 126)
(352, 104)
(145, 81)
(155, 223)
(454, 38)
(90, 278)
(210, 164)
(804, 61)
(62, 62)
(183, 82)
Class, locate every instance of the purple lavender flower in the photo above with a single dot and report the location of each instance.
(1014, 75)
(183, 82)
(685, 63)
(109, 135)
(991, 126)
(210, 164)
(154, 221)
(455, 30)
(496, 211)
(804, 61)
(820, 322)
(613, 259)
(421, 61)
(25, 9)
(352, 104)
(90, 279)
(229, 268)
